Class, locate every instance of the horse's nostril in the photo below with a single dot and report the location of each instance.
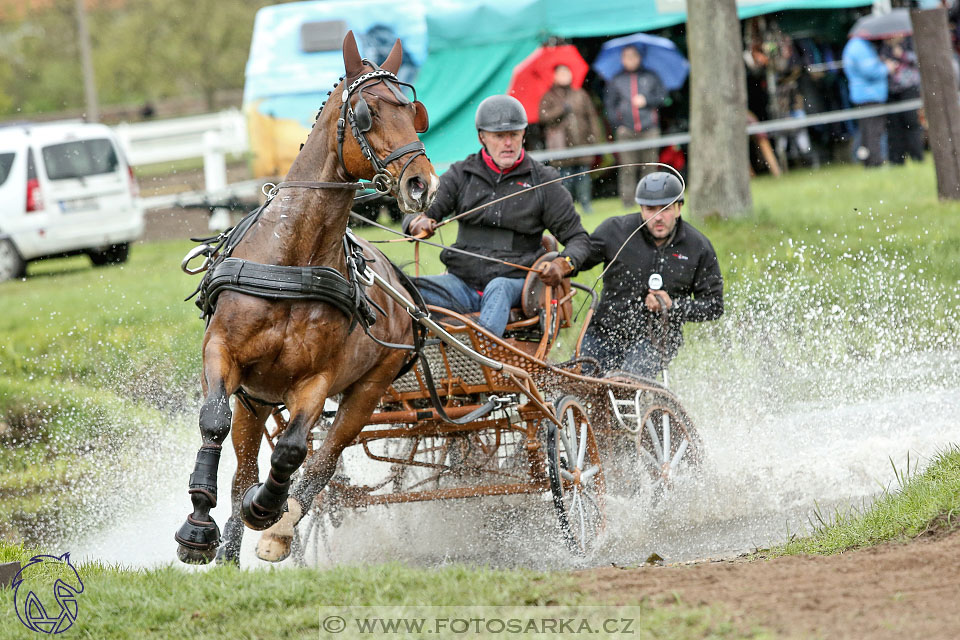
(416, 188)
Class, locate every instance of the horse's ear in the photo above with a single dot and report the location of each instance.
(352, 62)
(395, 59)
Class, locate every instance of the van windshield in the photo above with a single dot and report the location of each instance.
(80, 158)
(6, 161)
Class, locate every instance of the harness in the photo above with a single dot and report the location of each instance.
(278, 282)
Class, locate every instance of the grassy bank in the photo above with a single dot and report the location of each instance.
(226, 603)
(926, 502)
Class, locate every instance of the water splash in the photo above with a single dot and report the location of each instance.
(827, 365)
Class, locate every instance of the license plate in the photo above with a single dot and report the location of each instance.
(80, 204)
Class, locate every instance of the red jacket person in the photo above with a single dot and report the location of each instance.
(509, 230)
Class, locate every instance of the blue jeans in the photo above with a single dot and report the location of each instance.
(639, 356)
(494, 303)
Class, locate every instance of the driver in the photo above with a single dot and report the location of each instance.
(667, 264)
(510, 230)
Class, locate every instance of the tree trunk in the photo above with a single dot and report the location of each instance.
(932, 38)
(719, 156)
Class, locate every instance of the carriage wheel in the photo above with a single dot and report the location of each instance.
(576, 479)
(668, 445)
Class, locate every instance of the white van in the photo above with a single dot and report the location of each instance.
(65, 188)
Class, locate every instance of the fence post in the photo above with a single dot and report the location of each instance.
(215, 177)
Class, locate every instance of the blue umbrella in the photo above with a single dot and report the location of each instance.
(659, 56)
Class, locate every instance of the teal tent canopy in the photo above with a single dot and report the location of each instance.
(474, 46)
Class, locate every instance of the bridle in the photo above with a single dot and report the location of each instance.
(359, 118)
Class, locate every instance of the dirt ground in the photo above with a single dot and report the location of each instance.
(890, 591)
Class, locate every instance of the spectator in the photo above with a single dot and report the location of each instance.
(904, 133)
(632, 99)
(867, 76)
(569, 119)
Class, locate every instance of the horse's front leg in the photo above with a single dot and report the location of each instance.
(199, 536)
(263, 504)
(355, 408)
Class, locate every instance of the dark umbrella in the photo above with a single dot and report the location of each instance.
(534, 76)
(660, 56)
(881, 26)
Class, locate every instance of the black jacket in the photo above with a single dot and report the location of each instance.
(509, 230)
(687, 263)
(618, 94)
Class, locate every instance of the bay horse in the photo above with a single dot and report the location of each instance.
(299, 352)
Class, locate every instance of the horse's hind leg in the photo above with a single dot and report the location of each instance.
(263, 504)
(355, 408)
(199, 536)
(247, 434)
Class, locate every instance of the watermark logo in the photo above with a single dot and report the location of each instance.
(45, 594)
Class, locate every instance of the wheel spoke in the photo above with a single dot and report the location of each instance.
(653, 461)
(583, 445)
(583, 525)
(679, 454)
(665, 420)
(570, 424)
(566, 475)
(565, 440)
(655, 440)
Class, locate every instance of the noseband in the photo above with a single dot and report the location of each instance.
(360, 121)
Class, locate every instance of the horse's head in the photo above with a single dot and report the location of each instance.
(377, 129)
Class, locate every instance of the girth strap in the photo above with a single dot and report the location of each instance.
(275, 282)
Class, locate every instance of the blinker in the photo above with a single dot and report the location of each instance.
(362, 115)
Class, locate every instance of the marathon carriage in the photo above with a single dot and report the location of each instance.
(481, 415)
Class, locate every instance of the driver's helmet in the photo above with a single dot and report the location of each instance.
(659, 188)
(501, 113)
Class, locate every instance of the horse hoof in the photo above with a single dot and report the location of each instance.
(190, 555)
(275, 544)
(198, 541)
(252, 515)
(273, 548)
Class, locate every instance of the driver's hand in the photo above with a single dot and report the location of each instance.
(422, 227)
(656, 298)
(553, 272)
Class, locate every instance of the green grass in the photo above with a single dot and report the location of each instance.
(223, 602)
(924, 502)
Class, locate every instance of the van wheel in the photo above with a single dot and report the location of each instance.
(114, 254)
(11, 264)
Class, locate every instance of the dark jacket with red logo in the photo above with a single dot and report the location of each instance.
(509, 230)
(687, 263)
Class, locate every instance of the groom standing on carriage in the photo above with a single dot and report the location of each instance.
(509, 231)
